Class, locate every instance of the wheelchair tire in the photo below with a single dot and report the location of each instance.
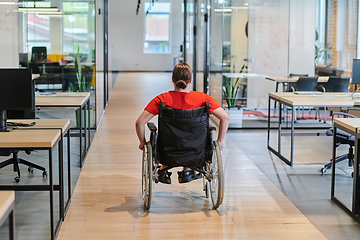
(216, 182)
(147, 172)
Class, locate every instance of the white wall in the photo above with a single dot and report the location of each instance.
(9, 49)
(126, 38)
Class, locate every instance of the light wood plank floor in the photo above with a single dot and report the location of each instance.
(107, 199)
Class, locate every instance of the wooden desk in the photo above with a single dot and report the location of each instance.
(294, 79)
(64, 126)
(7, 203)
(39, 139)
(79, 100)
(351, 126)
(293, 100)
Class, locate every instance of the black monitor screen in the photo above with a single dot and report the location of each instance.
(356, 72)
(17, 91)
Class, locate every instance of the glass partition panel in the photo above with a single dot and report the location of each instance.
(55, 37)
(262, 40)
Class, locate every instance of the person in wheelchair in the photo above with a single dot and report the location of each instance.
(181, 98)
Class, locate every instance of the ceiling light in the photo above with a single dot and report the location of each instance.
(223, 10)
(38, 9)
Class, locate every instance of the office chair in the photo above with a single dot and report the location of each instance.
(15, 160)
(305, 84)
(38, 54)
(337, 84)
(342, 137)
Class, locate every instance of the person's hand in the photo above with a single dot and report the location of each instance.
(142, 146)
(220, 144)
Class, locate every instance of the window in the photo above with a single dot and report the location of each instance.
(77, 30)
(37, 31)
(157, 27)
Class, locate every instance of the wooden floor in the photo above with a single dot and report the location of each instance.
(107, 199)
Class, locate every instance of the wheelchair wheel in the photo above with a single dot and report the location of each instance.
(147, 168)
(216, 181)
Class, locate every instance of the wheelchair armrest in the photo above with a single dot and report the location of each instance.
(151, 126)
(211, 127)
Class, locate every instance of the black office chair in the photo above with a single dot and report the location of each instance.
(337, 84)
(342, 137)
(15, 160)
(38, 54)
(306, 84)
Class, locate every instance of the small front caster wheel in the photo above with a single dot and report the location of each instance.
(30, 169)
(323, 170)
(44, 174)
(17, 179)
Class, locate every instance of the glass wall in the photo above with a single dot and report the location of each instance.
(260, 40)
(54, 36)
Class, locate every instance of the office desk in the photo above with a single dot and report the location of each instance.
(7, 203)
(39, 139)
(64, 126)
(293, 100)
(294, 79)
(79, 100)
(351, 126)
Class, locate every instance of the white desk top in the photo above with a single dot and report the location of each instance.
(324, 100)
(321, 79)
(36, 138)
(64, 124)
(6, 199)
(62, 99)
(242, 75)
(353, 124)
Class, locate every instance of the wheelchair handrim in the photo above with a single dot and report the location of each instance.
(217, 181)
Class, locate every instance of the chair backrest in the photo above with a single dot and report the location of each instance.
(183, 136)
(298, 75)
(338, 84)
(306, 84)
(38, 54)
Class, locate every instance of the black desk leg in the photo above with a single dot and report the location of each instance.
(61, 178)
(12, 224)
(268, 130)
(85, 132)
(279, 128)
(80, 129)
(355, 202)
(292, 135)
(333, 163)
(51, 196)
(88, 103)
(69, 167)
(276, 90)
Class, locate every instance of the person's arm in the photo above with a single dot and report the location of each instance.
(144, 117)
(223, 125)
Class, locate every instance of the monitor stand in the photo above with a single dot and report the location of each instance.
(3, 122)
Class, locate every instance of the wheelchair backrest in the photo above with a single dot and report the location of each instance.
(184, 138)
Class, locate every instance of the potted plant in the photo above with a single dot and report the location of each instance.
(82, 86)
(231, 88)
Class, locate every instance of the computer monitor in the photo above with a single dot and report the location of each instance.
(356, 72)
(17, 92)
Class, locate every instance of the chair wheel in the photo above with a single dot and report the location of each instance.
(44, 174)
(30, 169)
(17, 179)
(323, 170)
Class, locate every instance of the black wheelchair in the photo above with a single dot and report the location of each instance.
(184, 139)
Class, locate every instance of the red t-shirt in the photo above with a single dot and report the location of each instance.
(181, 100)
